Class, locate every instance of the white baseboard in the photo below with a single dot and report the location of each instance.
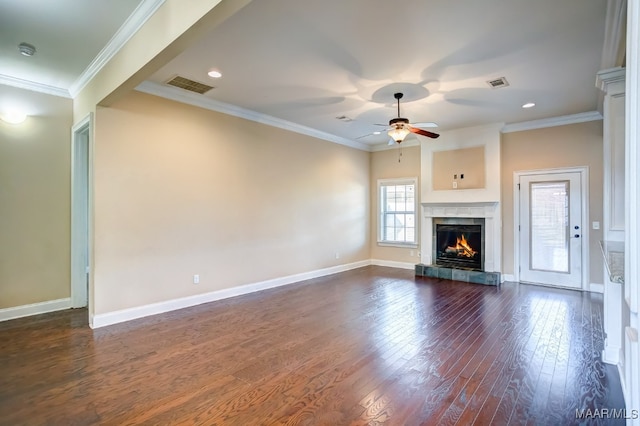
(35, 309)
(611, 355)
(508, 277)
(110, 318)
(393, 264)
(596, 288)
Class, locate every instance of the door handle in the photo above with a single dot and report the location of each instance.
(576, 236)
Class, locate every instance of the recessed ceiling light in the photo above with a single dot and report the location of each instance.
(529, 105)
(376, 133)
(13, 117)
(214, 74)
(27, 49)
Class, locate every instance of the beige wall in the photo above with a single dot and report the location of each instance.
(35, 201)
(181, 191)
(385, 165)
(465, 167)
(561, 146)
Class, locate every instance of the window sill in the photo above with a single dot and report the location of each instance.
(399, 245)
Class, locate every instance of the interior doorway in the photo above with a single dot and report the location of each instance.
(80, 211)
(551, 227)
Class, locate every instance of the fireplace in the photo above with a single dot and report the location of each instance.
(459, 243)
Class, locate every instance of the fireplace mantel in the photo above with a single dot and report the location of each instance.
(489, 210)
(475, 209)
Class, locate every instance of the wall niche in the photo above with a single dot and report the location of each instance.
(459, 169)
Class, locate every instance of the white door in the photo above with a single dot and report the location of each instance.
(550, 229)
(80, 214)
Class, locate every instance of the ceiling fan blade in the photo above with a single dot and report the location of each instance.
(423, 132)
(424, 124)
(391, 142)
(364, 136)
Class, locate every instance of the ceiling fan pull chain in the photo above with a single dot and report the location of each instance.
(400, 153)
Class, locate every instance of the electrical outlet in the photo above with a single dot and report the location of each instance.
(196, 279)
(337, 255)
(411, 253)
(595, 225)
(455, 184)
(418, 254)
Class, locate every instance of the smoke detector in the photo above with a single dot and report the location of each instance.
(27, 49)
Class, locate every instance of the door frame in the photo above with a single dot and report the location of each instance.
(584, 225)
(81, 226)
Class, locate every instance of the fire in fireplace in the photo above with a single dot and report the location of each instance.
(459, 246)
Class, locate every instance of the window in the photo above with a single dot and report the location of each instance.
(397, 212)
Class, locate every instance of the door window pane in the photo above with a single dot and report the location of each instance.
(549, 226)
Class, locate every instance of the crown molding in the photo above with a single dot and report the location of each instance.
(610, 76)
(582, 117)
(33, 86)
(131, 26)
(613, 50)
(189, 98)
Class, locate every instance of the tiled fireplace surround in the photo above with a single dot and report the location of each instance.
(490, 211)
(468, 210)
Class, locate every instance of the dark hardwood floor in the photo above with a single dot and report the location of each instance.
(370, 346)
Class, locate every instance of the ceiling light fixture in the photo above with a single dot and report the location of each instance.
(214, 74)
(27, 49)
(13, 117)
(529, 105)
(398, 132)
(376, 132)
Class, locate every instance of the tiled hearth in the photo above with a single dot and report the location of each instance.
(477, 277)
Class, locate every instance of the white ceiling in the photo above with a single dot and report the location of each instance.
(68, 36)
(311, 61)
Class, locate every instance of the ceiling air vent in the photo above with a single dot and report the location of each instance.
(344, 118)
(190, 85)
(498, 83)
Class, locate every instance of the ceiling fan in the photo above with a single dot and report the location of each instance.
(400, 127)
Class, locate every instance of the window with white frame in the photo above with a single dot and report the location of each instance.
(397, 208)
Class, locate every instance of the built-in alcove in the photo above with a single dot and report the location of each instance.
(459, 169)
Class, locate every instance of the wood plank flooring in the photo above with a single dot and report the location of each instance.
(370, 346)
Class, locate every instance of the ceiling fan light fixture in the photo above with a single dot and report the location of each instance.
(398, 133)
(529, 105)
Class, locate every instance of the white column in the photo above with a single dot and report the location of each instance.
(612, 83)
(632, 202)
